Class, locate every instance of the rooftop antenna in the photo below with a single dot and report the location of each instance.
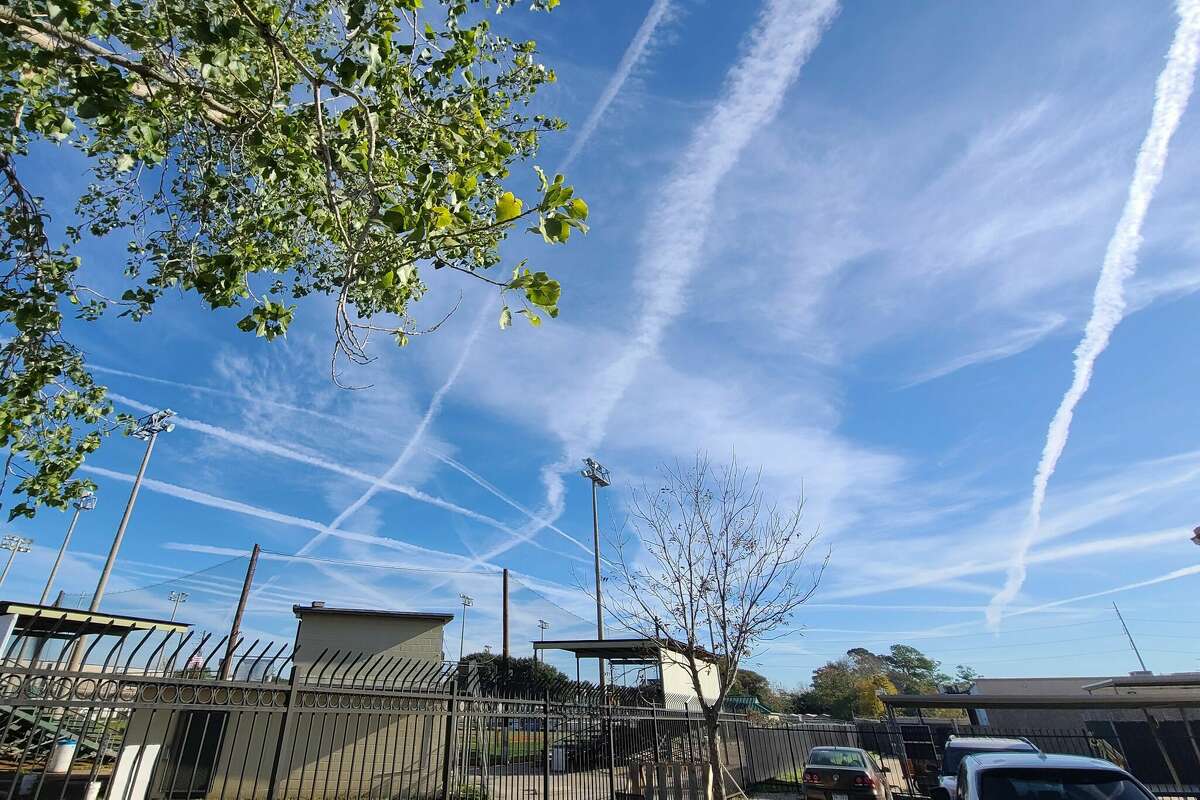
(1130, 637)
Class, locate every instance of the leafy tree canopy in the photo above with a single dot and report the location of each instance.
(849, 686)
(252, 153)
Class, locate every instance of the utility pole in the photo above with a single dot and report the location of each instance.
(236, 628)
(467, 602)
(148, 429)
(505, 608)
(598, 475)
(14, 545)
(1129, 636)
(85, 502)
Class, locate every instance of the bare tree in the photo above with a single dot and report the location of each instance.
(719, 571)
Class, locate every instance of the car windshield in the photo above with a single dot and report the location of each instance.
(836, 758)
(1057, 784)
(954, 755)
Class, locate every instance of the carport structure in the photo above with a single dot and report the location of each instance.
(1166, 696)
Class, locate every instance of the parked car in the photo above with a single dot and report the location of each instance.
(844, 773)
(1044, 776)
(958, 747)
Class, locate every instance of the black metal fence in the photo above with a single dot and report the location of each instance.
(135, 718)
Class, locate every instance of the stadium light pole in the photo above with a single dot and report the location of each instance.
(467, 602)
(14, 545)
(85, 502)
(148, 429)
(543, 625)
(598, 475)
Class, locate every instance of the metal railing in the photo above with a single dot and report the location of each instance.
(143, 719)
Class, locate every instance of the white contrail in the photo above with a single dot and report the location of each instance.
(441, 559)
(1171, 94)
(785, 35)
(259, 445)
(633, 54)
(435, 405)
(195, 387)
(348, 424)
(1183, 572)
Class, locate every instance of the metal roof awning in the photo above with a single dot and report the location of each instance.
(33, 619)
(1155, 700)
(1147, 681)
(635, 651)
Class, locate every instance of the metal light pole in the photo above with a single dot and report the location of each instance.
(598, 475)
(462, 635)
(149, 427)
(176, 598)
(543, 625)
(13, 544)
(85, 502)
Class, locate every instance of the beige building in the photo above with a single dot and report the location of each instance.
(340, 724)
(323, 632)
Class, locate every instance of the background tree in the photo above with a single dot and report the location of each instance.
(252, 153)
(848, 686)
(712, 570)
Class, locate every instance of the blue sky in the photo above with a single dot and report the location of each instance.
(857, 246)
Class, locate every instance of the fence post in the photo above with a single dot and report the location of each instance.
(448, 746)
(612, 754)
(546, 747)
(285, 727)
(654, 730)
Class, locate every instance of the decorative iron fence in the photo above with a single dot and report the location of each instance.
(141, 719)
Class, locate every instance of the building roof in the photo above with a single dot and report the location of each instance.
(1154, 700)
(55, 621)
(632, 650)
(1033, 686)
(1146, 681)
(303, 611)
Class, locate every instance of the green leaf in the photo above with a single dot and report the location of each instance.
(508, 207)
(124, 162)
(505, 318)
(442, 217)
(578, 209)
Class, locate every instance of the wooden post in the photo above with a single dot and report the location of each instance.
(236, 628)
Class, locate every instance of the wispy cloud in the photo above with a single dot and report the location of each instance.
(1173, 89)
(632, 56)
(270, 448)
(783, 38)
(414, 439)
(1017, 341)
(350, 424)
(423, 556)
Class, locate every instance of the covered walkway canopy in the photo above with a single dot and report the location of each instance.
(1155, 700)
